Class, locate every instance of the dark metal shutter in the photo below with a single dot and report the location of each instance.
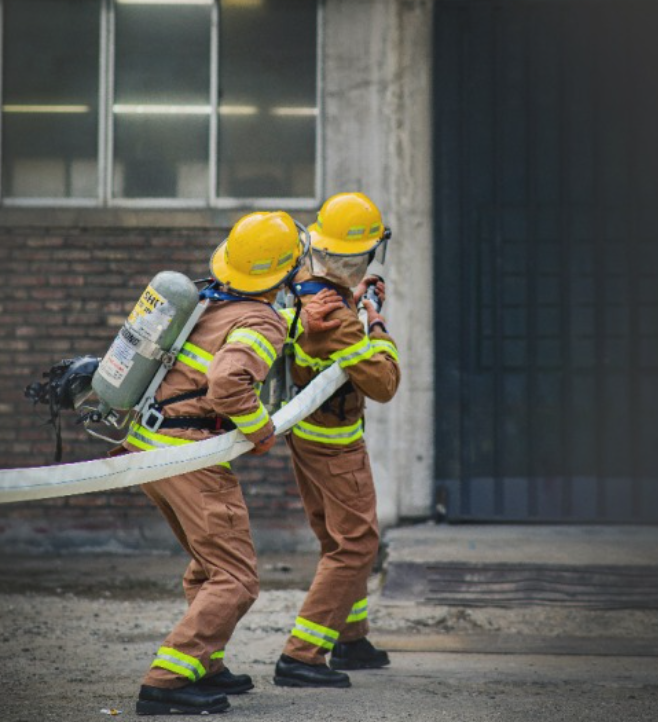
(546, 177)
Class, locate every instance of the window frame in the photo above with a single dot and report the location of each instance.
(105, 150)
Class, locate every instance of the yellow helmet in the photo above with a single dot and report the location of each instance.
(348, 224)
(261, 252)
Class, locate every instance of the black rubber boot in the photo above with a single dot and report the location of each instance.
(290, 672)
(360, 654)
(227, 682)
(190, 699)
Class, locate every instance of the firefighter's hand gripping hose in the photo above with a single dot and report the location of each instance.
(46, 482)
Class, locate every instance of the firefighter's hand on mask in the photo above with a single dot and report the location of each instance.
(262, 447)
(318, 308)
(373, 316)
(380, 289)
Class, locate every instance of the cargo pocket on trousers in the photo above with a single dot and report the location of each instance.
(224, 511)
(351, 479)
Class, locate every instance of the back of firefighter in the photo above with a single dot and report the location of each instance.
(329, 453)
(213, 387)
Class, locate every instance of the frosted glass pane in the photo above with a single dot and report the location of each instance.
(50, 98)
(161, 110)
(268, 114)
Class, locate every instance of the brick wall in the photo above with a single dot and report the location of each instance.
(66, 292)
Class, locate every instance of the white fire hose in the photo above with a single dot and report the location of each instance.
(45, 482)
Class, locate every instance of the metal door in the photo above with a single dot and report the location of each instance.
(546, 169)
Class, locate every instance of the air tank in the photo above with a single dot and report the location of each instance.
(151, 329)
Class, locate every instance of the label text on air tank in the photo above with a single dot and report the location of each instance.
(149, 301)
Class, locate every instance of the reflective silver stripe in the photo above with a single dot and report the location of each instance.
(360, 351)
(177, 661)
(256, 341)
(148, 440)
(315, 633)
(385, 347)
(144, 440)
(359, 611)
(303, 359)
(284, 259)
(261, 267)
(195, 357)
(251, 423)
(341, 435)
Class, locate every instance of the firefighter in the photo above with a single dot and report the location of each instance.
(329, 454)
(212, 388)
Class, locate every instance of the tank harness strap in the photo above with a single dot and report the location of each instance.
(298, 311)
(310, 288)
(210, 423)
(307, 288)
(195, 394)
(340, 395)
(213, 293)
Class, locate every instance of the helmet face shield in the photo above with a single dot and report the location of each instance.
(378, 253)
(346, 271)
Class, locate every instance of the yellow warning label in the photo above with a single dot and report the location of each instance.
(149, 302)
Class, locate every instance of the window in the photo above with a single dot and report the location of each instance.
(50, 99)
(187, 103)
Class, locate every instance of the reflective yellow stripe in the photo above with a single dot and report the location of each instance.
(217, 655)
(136, 441)
(155, 440)
(195, 357)
(285, 258)
(315, 633)
(351, 355)
(303, 359)
(250, 423)
(255, 341)
(179, 663)
(360, 351)
(307, 637)
(356, 232)
(339, 435)
(175, 668)
(382, 345)
(149, 440)
(289, 316)
(262, 266)
(359, 611)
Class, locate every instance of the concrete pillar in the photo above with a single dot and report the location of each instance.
(378, 111)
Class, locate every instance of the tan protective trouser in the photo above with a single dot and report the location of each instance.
(208, 515)
(338, 494)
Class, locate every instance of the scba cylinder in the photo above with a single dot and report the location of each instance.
(135, 355)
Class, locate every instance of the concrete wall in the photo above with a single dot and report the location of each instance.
(377, 95)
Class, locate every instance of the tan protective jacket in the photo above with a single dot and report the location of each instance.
(230, 351)
(370, 362)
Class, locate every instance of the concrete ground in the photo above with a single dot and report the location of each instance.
(77, 634)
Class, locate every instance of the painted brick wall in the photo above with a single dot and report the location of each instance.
(66, 292)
